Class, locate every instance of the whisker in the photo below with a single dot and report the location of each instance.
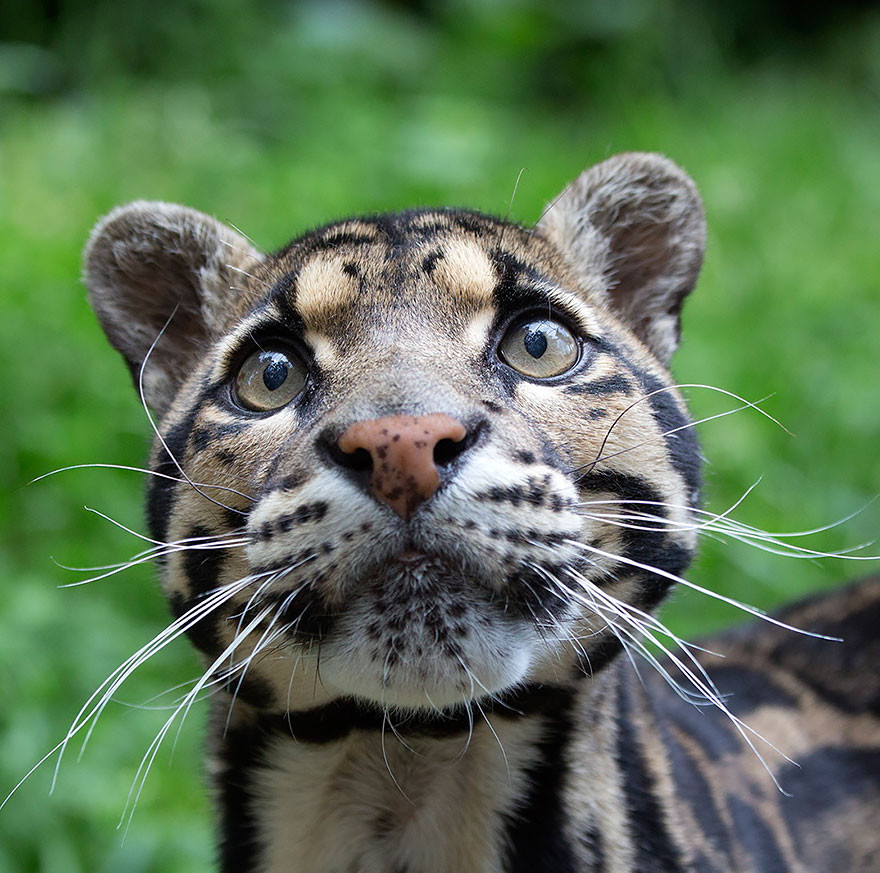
(89, 713)
(155, 473)
(154, 427)
(747, 404)
(657, 571)
(150, 755)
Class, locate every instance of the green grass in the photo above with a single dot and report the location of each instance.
(788, 305)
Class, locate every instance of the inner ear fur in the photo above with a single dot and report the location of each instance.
(634, 230)
(156, 268)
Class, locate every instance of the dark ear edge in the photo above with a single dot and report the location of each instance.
(633, 227)
(149, 260)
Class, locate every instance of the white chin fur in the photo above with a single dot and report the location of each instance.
(498, 660)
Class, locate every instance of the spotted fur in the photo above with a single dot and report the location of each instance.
(441, 689)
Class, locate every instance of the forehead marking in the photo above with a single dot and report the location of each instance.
(465, 271)
(477, 331)
(323, 286)
(324, 350)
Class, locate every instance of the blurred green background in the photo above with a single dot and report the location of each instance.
(278, 116)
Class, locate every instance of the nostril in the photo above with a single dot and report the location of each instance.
(447, 450)
(359, 461)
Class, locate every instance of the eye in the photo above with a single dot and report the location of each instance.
(540, 348)
(269, 379)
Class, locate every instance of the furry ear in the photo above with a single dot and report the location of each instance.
(634, 224)
(148, 260)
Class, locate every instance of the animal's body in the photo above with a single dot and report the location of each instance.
(426, 476)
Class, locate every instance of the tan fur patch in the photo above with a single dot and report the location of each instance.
(323, 286)
(466, 271)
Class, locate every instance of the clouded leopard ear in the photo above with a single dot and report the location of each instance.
(150, 266)
(635, 226)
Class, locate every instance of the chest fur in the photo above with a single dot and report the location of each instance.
(371, 803)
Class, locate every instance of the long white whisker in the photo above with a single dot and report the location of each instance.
(155, 473)
(155, 428)
(645, 397)
(150, 755)
(657, 571)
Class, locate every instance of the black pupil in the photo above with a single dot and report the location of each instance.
(535, 343)
(275, 374)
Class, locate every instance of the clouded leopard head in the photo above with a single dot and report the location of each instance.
(392, 458)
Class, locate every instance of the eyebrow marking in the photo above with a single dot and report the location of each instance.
(465, 271)
(323, 286)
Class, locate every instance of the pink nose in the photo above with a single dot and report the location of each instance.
(402, 449)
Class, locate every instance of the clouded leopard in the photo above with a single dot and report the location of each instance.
(420, 481)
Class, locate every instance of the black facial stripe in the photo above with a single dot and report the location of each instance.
(204, 634)
(204, 434)
(510, 293)
(650, 547)
(283, 295)
(615, 384)
(334, 721)
(160, 491)
(430, 261)
(201, 566)
(683, 446)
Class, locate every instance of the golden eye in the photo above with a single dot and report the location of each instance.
(540, 348)
(269, 379)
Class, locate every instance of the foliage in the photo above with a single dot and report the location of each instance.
(292, 115)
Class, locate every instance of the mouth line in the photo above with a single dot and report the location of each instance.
(412, 557)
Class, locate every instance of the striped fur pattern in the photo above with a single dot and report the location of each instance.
(443, 690)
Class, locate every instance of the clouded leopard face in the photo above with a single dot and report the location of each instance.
(390, 456)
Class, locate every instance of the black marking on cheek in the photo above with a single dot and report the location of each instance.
(525, 457)
(292, 481)
(204, 634)
(350, 268)
(204, 434)
(307, 613)
(615, 384)
(235, 518)
(683, 446)
(202, 566)
(307, 512)
(650, 547)
(430, 261)
(225, 457)
(161, 491)
(493, 407)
